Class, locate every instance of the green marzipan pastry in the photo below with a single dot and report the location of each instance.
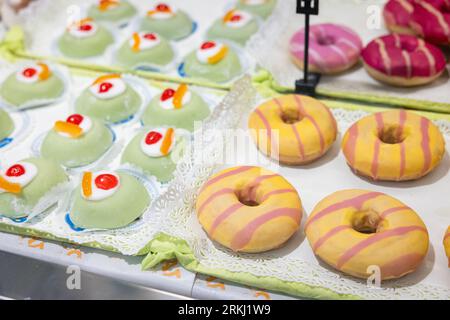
(161, 55)
(126, 205)
(122, 11)
(162, 167)
(49, 175)
(264, 10)
(175, 28)
(223, 71)
(109, 110)
(6, 125)
(80, 48)
(78, 152)
(18, 93)
(219, 30)
(184, 118)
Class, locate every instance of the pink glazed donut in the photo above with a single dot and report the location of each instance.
(397, 16)
(403, 60)
(333, 48)
(431, 20)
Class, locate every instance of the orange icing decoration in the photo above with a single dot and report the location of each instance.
(178, 96)
(136, 42)
(106, 4)
(86, 184)
(229, 15)
(71, 129)
(167, 142)
(9, 187)
(45, 73)
(106, 78)
(219, 56)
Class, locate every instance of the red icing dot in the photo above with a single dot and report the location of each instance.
(106, 181)
(29, 72)
(208, 45)
(167, 94)
(162, 7)
(85, 27)
(75, 119)
(16, 170)
(236, 18)
(150, 36)
(153, 137)
(105, 87)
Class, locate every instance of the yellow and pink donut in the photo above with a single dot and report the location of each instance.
(396, 145)
(356, 231)
(293, 129)
(249, 209)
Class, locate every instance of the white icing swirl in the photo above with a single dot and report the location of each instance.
(169, 105)
(24, 179)
(239, 19)
(154, 150)
(85, 125)
(99, 194)
(148, 40)
(83, 29)
(254, 2)
(156, 14)
(108, 89)
(21, 77)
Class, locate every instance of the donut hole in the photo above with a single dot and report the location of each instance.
(245, 196)
(391, 135)
(366, 222)
(326, 40)
(291, 116)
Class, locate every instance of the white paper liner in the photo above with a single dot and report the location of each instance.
(23, 126)
(60, 71)
(52, 197)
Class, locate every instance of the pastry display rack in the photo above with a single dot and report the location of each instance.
(170, 230)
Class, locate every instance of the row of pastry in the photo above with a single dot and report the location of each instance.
(149, 44)
(251, 209)
(410, 56)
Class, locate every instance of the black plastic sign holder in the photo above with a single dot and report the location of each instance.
(308, 84)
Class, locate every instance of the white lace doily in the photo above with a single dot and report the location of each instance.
(176, 213)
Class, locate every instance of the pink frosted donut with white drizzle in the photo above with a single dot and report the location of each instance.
(397, 16)
(431, 20)
(403, 60)
(332, 48)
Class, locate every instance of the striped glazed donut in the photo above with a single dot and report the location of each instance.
(333, 48)
(396, 145)
(447, 244)
(397, 16)
(249, 209)
(431, 20)
(403, 60)
(352, 230)
(293, 129)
